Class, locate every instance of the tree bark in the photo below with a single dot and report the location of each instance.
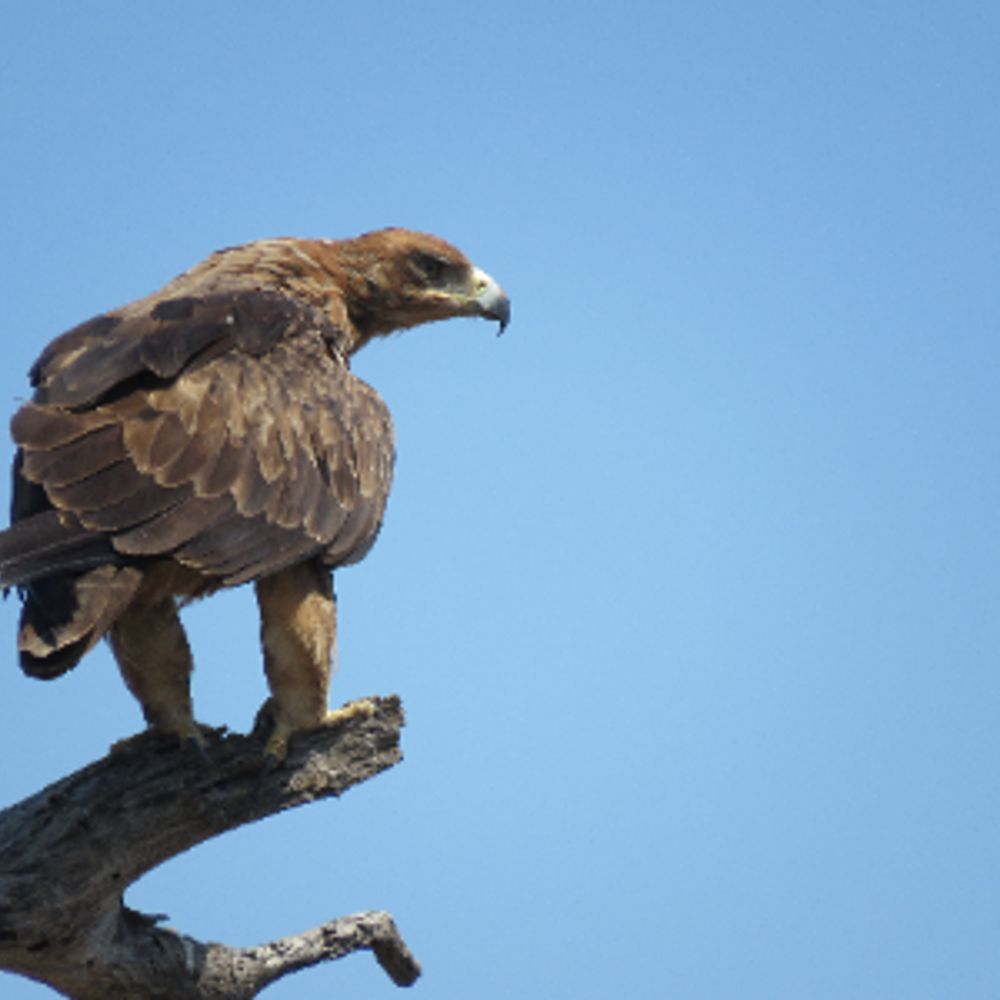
(69, 852)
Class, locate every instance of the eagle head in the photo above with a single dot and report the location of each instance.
(409, 278)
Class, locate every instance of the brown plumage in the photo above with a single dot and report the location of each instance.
(212, 434)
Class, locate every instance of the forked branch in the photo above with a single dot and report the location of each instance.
(68, 853)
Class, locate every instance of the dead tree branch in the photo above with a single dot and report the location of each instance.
(69, 852)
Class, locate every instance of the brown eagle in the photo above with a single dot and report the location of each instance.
(212, 434)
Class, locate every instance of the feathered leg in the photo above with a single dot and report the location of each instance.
(153, 655)
(298, 613)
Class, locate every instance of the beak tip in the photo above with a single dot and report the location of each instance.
(502, 315)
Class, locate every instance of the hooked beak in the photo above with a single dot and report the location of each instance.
(490, 299)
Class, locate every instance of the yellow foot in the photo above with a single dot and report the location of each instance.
(276, 749)
(363, 707)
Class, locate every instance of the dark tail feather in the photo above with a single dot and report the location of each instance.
(44, 544)
(72, 585)
(64, 616)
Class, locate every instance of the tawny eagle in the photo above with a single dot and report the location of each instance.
(212, 434)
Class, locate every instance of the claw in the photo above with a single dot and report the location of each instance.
(191, 734)
(276, 749)
(195, 749)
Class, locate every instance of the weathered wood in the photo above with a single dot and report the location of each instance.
(69, 852)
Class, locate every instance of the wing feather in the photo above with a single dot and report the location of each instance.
(221, 472)
(241, 549)
(69, 463)
(269, 559)
(42, 428)
(109, 486)
(175, 526)
(223, 431)
(168, 442)
(250, 489)
(101, 356)
(144, 504)
(198, 456)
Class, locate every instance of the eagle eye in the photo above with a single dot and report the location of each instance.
(432, 268)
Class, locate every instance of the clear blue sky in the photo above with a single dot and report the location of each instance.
(689, 583)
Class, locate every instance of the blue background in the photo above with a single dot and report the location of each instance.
(690, 582)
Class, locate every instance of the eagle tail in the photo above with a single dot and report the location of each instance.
(63, 616)
(71, 588)
(43, 544)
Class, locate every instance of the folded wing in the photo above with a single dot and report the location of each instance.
(226, 432)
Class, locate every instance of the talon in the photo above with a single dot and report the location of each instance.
(191, 735)
(276, 749)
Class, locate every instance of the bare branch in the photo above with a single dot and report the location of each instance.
(68, 853)
(374, 931)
